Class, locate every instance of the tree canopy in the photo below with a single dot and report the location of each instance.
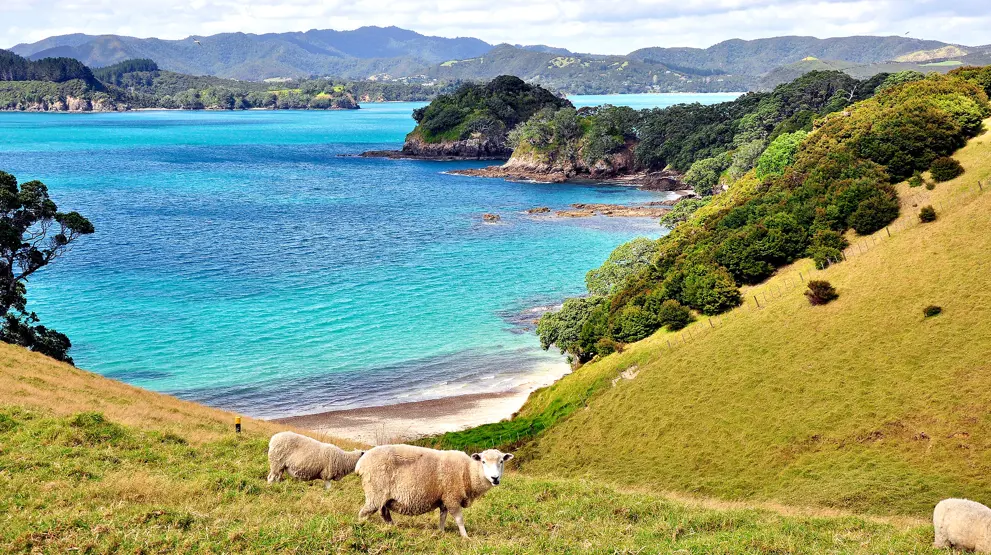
(33, 234)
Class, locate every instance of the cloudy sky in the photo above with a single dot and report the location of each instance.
(600, 26)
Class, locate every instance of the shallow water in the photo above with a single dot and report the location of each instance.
(241, 261)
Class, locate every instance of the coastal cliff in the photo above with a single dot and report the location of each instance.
(67, 104)
(476, 146)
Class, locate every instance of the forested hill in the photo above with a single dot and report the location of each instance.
(65, 84)
(355, 54)
(55, 70)
(757, 57)
(397, 54)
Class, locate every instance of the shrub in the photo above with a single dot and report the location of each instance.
(930, 185)
(821, 292)
(633, 324)
(779, 154)
(673, 315)
(932, 310)
(607, 346)
(915, 180)
(927, 214)
(873, 213)
(709, 290)
(945, 169)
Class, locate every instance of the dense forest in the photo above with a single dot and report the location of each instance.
(783, 175)
(64, 84)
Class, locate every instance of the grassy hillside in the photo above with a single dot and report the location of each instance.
(95, 466)
(862, 404)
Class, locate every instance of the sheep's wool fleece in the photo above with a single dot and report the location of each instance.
(962, 524)
(415, 480)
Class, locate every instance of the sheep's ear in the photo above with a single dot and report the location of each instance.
(507, 456)
(476, 456)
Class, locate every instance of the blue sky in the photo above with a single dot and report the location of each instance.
(614, 27)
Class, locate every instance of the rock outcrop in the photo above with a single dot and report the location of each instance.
(67, 104)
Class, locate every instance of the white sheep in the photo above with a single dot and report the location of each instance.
(962, 524)
(414, 480)
(305, 458)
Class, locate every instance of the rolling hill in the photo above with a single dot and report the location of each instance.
(354, 54)
(393, 53)
(88, 464)
(863, 405)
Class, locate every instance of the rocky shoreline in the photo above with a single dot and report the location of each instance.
(654, 209)
(475, 148)
(664, 181)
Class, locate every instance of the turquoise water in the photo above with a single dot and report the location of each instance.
(243, 260)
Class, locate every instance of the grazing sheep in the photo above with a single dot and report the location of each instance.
(415, 480)
(305, 458)
(962, 524)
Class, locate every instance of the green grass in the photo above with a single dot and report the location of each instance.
(862, 404)
(944, 63)
(83, 483)
(809, 417)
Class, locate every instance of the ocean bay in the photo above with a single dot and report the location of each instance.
(242, 259)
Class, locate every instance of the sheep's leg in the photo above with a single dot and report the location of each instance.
(940, 540)
(443, 518)
(275, 472)
(326, 484)
(386, 515)
(460, 520)
(368, 510)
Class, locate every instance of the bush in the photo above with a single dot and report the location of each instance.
(873, 213)
(945, 169)
(927, 214)
(932, 310)
(821, 292)
(779, 154)
(633, 324)
(915, 180)
(930, 185)
(606, 346)
(673, 315)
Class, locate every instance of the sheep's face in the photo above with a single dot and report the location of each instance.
(493, 462)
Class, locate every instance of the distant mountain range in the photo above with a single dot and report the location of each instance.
(353, 54)
(390, 53)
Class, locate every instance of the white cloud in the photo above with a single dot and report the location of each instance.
(581, 25)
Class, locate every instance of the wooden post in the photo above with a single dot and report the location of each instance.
(756, 301)
(888, 230)
(669, 344)
(710, 324)
(800, 276)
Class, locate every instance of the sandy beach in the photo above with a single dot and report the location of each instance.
(406, 421)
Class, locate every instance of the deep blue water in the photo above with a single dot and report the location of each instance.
(239, 260)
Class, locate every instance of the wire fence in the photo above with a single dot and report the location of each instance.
(782, 283)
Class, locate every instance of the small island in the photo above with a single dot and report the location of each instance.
(475, 121)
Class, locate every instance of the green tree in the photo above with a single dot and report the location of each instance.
(779, 154)
(626, 260)
(33, 233)
(563, 328)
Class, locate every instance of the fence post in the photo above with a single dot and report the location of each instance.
(710, 324)
(800, 276)
(237, 424)
(669, 344)
(888, 230)
(756, 301)
(979, 186)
